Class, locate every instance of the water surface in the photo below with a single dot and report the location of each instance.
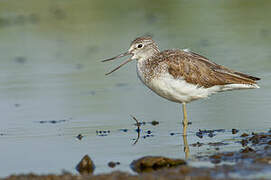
(51, 71)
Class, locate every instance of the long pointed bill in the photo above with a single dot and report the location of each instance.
(118, 56)
(125, 62)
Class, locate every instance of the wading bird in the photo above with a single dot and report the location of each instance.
(182, 76)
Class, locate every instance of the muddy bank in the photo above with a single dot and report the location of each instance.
(162, 175)
(252, 160)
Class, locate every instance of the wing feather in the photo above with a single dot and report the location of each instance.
(199, 70)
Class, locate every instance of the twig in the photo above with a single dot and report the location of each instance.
(138, 124)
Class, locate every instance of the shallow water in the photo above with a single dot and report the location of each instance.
(50, 67)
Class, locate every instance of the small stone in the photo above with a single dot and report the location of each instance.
(197, 144)
(199, 134)
(113, 164)
(85, 166)
(79, 136)
(234, 131)
(244, 135)
(247, 150)
(154, 123)
(124, 130)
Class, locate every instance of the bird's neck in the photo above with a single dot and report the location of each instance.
(144, 67)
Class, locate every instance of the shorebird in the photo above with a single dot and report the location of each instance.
(180, 75)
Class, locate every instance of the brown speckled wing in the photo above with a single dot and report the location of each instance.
(198, 70)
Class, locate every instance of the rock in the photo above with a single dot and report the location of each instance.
(85, 166)
(154, 123)
(113, 164)
(79, 136)
(244, 135)
(151, 163)
(234, 131)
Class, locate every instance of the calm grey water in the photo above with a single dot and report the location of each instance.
(50, 69)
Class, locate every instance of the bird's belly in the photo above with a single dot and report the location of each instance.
(176, 90)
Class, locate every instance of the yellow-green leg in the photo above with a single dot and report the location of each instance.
(185, 122)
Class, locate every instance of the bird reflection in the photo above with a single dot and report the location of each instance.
(185, 141)
(186, 147)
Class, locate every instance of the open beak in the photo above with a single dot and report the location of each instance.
(116, 57)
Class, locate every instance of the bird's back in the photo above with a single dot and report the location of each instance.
(196, 69)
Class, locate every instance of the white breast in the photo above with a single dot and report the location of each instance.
(177, 90)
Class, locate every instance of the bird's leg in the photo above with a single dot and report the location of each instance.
(185, 122)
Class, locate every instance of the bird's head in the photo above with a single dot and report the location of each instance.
(140, 49)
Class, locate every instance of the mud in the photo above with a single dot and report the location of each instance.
(117, 175)
(252, 159)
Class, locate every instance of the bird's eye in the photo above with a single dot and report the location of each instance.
(140, 45)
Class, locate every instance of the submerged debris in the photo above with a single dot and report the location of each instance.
(234, 131)
(197, 144)
(17, 105)
(217, 144)
(53, 121)
(102, 132)
(20, 60)
(210, 133)
(124, 130)
(138, 124)
(85, 166)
